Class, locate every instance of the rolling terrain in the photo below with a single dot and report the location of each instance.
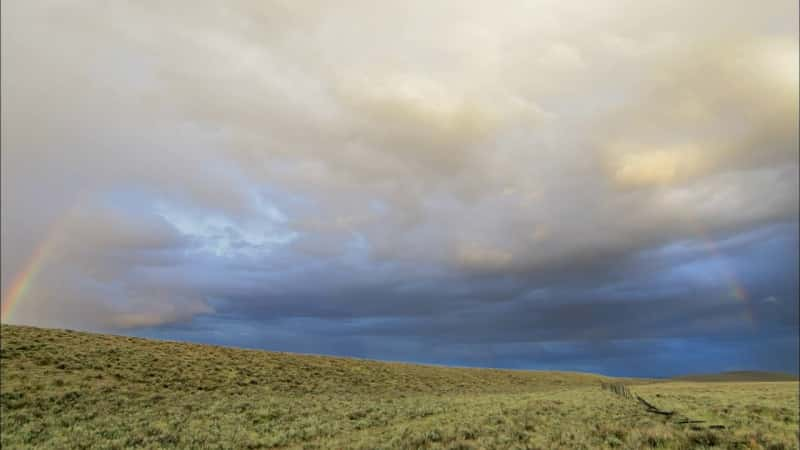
(66, 389)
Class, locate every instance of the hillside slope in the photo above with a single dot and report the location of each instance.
(185, 367)
(65, 389)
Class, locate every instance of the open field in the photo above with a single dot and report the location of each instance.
(63, 389)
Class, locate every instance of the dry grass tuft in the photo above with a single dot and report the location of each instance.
(63, 389)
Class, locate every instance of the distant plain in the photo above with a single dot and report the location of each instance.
(66, 389)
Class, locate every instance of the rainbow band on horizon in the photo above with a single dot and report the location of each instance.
(735, 288)
(25, 278)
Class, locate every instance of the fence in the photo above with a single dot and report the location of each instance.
(618, 388)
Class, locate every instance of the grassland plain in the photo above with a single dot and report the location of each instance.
(65, 389)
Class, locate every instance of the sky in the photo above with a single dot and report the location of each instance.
(593, 186)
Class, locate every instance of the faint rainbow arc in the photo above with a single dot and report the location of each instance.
(735, 287)
(24, 279)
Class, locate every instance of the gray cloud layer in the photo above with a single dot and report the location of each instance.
(416, 167)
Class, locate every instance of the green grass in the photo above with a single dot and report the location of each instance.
(63, 389)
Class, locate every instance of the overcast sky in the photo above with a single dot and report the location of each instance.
(601, 186)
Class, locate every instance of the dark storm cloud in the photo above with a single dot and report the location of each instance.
(615, 326)
(564, 185)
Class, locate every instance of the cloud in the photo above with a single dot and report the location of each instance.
(690, 124)
(656, 167)
(385, 161)
(482, 258)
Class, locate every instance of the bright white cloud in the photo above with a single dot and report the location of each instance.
(515, 137)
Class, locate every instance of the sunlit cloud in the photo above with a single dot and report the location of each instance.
(274, 160)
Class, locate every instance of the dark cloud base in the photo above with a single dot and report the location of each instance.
(524, 185)
(635, 327)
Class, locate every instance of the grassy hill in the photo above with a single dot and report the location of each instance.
(739, 375)
(65, 389)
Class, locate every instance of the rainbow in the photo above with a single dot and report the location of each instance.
(736, 289)
(25, 278)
